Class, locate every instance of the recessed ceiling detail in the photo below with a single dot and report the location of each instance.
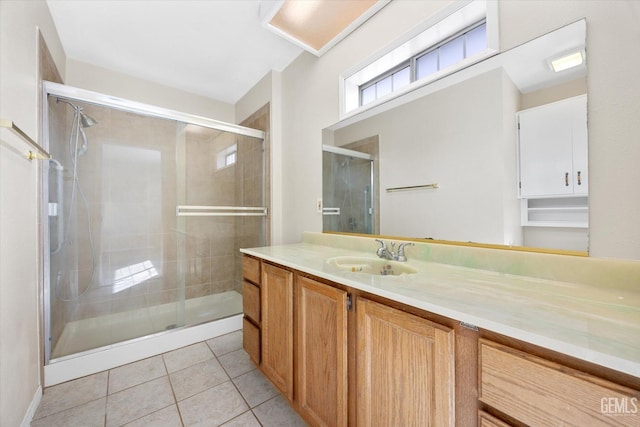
(317, 25)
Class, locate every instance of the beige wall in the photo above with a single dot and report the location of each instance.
(90, 77)
(20, 358)
(310, 103)
(269, 90)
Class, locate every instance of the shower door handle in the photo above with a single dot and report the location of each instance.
(56, 209)
(191, 210)
(330, 211)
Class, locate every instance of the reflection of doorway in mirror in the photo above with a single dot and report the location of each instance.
(349, 189)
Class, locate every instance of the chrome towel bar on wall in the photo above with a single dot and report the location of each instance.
(414, 187)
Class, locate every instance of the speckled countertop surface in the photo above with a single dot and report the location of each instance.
(597, 324)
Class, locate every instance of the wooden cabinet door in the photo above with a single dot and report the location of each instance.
(405, 371)
(321, 349)
(277, 327)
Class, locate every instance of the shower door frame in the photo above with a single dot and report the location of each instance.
(72, 93)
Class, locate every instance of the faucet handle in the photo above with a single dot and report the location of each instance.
(401, 256)
(382, 250)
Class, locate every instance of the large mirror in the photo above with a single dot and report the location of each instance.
(445, 156)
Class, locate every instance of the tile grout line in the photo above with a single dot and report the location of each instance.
(236, 387)
(106, 399)
(175, 399)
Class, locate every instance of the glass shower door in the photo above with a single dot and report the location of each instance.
(347, 191)
(221, 208)
(144, 216)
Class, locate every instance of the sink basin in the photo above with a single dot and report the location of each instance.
(376, 266)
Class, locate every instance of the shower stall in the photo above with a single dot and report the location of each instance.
(347, 190)
(144, 212)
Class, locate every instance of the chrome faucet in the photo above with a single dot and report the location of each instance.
(384, 253)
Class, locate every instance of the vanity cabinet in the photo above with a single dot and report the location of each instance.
(553, 149)
(343, 356)
(321, 352)
(363, 364)
(276, 327)
(251, 307)
(405, 368)
(536, 391)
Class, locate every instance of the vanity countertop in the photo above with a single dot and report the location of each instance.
(598, 324)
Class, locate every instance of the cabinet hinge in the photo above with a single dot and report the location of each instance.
(349, 302)
(469, 326)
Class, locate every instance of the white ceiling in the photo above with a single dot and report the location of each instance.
(214, 48)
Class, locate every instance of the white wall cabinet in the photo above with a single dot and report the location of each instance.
(553, 149)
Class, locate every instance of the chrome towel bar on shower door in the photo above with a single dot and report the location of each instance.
(190, 210)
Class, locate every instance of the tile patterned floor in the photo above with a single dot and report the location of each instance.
(211, 383)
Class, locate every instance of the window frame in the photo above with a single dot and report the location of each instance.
(412, 62)
(457, 18)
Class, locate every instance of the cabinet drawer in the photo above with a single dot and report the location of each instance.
(486, 420)
(539, 392)
(251, 269)
(251, 340)
(251, 301)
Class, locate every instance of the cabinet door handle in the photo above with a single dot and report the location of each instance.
(566, 179)
(579, 179)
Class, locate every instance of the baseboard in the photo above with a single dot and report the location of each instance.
(33, 407)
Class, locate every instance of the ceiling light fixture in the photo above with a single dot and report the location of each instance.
(316, 25)
(567, 61)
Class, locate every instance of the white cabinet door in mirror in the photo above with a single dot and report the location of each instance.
(553, 149)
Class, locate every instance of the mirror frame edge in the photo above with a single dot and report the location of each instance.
(529, 249)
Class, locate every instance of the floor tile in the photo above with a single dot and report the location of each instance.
(167, 417)
(136, 373)
(86, 415)
(212, 407)
(255, 388)
(226, 343)
(277, 413)
(236, 363)
(72, 393)
(138, 401)
(197, 378)
(245, 420)
(187, 356)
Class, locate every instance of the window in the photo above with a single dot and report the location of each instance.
(227, 156)
(449, 52)
(230, 159)
(385, 84)
(455, 37)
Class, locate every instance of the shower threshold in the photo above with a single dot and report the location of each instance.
(87, 334)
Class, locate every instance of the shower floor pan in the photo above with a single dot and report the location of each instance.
(87, 334)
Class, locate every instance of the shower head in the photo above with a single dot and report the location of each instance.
(81, 120)
(87, 121)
